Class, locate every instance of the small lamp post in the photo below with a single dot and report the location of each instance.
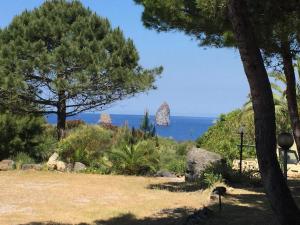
(285, 141)
(241, 132)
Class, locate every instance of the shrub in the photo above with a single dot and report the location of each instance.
(20, 134)
(22, 158)
(210, 179)
(139, 159)
(85, 144)
(71, 124)
(223, 136)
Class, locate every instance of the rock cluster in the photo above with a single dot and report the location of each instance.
(7, 164)
(105, 119)
(162, 116)
(198, 160)
(37, 167)
(55, 164)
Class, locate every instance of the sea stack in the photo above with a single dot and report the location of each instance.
(105, 119)
(162, 116)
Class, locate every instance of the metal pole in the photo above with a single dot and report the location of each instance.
(241, 151)
(285, 163)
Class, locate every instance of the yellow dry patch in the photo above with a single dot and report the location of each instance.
(76, 198)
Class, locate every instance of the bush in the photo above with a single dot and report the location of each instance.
(20, 134)
(139, 159)
(22, 158)
(210, 179)
(85, 144)
(71, 124)
(223, 136)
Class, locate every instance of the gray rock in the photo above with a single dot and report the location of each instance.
(105, 119)
(162, 116)
(197, 161)
(37, 167)
(78, 167)
(69, 167)
(7, 164)
(164, 173)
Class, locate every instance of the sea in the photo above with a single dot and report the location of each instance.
(182, 128)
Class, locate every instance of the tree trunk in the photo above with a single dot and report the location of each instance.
(274, 183)
(291, 92)
(61, 115)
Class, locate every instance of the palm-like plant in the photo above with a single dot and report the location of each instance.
(135, 159)
(279, 95)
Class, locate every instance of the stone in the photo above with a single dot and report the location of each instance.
(69, 167)
(198, 160)
(105, 119)
(164, 173)
(61, 166)
(7, 164)
(37, 167)
(78, 167)
(51, 164)
(162, 116)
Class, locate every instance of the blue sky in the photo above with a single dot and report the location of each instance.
(195, 81)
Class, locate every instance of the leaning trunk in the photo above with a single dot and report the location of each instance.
(276, 188)
(291, 92)
(61, 115)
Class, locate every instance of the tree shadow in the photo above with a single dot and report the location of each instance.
(176, 216)
(177, 186)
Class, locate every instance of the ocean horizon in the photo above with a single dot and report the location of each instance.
(182, 128)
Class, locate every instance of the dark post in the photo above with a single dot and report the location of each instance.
(285, 141)
(285, 163)
(241, 147)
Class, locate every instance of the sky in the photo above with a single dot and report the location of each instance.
(196, 81)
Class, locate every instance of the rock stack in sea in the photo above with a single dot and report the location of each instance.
(105, 119)
(162, 116)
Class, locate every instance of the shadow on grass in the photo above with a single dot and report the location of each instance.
(237, 209)
(176, 216)
(177, 186)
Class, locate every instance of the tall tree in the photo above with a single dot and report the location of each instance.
(210, 23)
(278, 193)
(70, 60)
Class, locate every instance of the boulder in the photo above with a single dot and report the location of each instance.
(162, 116)
(37, 167)
(61, 166)
(78, 167)
(51, 164)
(164, 173)
(198, 160)
(69, 167)
(7, 164)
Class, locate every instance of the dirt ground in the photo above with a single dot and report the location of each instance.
(39, 198)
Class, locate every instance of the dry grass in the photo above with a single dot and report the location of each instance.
(35, 198)
(76, 198)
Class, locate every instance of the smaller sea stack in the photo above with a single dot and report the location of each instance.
(105, 119)
(162, 116)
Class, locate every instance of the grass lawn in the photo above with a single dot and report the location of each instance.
(60, 198)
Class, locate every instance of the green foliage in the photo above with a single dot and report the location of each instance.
(20, 134)
(173, 155)
(22, 158)
(210, 179)
(85, 144)
(147, 127)
(223, 137)
(67, 59)
(139, 159)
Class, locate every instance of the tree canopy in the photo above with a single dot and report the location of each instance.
(69, 60)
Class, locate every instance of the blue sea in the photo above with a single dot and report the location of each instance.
(181, 128)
